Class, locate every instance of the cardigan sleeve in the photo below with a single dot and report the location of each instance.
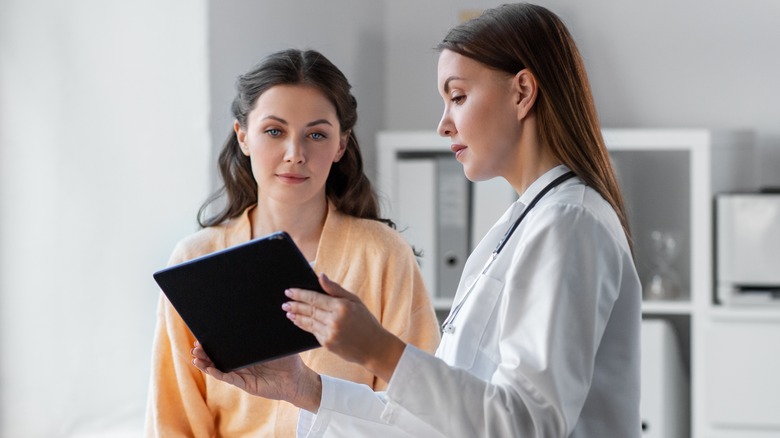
(406, 308)
(176, 404)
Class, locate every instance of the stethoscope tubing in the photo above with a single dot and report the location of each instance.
(447, 326)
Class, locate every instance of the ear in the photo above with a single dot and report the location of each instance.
(241, 137)
(343, 141)
(525, 89)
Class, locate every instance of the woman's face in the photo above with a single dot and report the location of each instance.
(292, 137)
(480, 116)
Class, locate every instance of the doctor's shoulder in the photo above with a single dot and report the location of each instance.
(583, 214)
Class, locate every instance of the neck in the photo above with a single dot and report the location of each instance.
(303, 222)
(533, 159)
(531, 173)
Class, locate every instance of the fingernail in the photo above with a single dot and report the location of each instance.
(285, 306)
(288, 292)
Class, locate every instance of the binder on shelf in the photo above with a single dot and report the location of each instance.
(433, 204)
(452, 220)
(414, 212)
(665, 402)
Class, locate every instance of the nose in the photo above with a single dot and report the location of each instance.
(294, 152)
(446, 127)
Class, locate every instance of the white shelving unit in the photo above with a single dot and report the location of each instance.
(730, 356)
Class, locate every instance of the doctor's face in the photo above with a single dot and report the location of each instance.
(292, 138)
(479, 117)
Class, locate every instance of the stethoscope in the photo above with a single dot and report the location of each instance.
(448, 327)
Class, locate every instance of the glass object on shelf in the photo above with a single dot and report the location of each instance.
(663, 282)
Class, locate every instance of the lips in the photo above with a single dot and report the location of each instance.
(292, 178)
(458, 149)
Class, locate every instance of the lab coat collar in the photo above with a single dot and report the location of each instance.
(540, 183)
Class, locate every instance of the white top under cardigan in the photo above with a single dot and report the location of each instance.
(547, 344)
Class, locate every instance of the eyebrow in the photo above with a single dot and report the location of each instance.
(312, 123)
(447, 82)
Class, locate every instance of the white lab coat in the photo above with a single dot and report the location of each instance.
(546, 345)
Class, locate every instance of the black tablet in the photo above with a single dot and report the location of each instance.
(231, 300)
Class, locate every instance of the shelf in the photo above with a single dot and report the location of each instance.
(769, 313)
(668, 179)
(666, 308)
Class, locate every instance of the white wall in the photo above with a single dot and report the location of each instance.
(104, 160)
(666, 63)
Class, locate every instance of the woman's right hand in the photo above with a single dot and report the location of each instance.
(287, 378)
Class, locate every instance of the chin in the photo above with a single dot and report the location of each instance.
(474, 175)
(471, 175)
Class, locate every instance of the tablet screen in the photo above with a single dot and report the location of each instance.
(231, 300)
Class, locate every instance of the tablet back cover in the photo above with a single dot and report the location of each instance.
(231, 300)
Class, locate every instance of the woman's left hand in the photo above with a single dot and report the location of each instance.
(342, 324)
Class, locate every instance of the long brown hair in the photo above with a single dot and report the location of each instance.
(513, 37)
(347, 186)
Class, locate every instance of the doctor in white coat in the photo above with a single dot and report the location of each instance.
(543, 337)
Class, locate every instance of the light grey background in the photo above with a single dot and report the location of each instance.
(663, 64)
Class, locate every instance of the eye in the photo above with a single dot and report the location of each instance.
(318, 136)
(458, 99)
(273, 132)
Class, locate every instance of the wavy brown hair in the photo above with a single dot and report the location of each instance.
(513, 37)
(347, 186)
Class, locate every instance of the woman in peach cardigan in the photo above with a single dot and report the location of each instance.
(291, 162)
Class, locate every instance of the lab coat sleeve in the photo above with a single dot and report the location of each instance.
(349, 409)
(559, 291)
